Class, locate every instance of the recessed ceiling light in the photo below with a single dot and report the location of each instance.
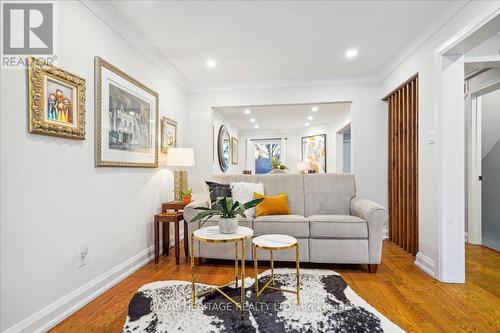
(211, 63)
(252, 120)
(247, 111)
(351, 53)
(256, 126)
(310, 118)
(307, 124)
(314, 109)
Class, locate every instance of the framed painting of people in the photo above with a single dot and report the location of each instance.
(56, 101)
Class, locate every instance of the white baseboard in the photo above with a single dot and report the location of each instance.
(426, 264)
(56, 312)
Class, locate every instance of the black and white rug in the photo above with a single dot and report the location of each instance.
(328, 304)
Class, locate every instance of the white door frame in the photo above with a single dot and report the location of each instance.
(450, 135)
(339, 146)
(474, 185)
(486, 84)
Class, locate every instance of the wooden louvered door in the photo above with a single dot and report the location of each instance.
(403, 165)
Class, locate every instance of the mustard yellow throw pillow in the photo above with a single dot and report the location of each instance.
(272, 205)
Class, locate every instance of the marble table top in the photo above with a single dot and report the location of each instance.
(212, 234)
(274, 241)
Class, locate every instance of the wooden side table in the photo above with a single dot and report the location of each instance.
(171, 212)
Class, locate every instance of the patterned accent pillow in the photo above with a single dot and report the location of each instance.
(243, 193)
(218, 191)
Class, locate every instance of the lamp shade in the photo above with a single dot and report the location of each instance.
(180, 157)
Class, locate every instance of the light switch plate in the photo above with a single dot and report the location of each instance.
(430, 137)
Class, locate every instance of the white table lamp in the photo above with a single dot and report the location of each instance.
(180, 157)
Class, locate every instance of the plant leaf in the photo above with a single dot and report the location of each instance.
(235, 206)
(206, 213)
(202, 208)
(223, 203)
(241, 211)
(253, 203)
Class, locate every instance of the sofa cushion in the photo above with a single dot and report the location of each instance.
(337, 226)
(292, 225)
(291, 184)
(328, 193)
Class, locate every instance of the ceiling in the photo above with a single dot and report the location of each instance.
(282, 118)
(283, 43)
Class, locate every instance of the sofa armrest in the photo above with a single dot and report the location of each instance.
(190, 212)
(376, 217)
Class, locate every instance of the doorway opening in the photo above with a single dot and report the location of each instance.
(344, 149)
(482, 105)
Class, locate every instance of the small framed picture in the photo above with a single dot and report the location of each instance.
(56, 101)
(168, 134)
(234, 150)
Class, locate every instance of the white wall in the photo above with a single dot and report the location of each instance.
(490, 165)
(490, 47)
(235, 169)
(52, 196)
(490, 121)
(422, 61)
(369, 127)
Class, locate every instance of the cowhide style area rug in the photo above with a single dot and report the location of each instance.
(328, 304)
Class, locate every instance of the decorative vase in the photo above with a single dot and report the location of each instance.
(228, 225)
(186, 199)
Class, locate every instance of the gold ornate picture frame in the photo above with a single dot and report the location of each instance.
(235, 150)
(56, 101)
(126, 119)
(168, 134)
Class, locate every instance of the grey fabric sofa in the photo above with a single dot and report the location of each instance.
(331, 224)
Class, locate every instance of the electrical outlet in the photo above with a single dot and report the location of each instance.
(83, 251)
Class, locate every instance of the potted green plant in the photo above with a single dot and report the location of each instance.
(277, 165)
(187, 195)
(228, 212)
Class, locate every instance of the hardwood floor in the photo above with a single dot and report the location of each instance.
(399, 290)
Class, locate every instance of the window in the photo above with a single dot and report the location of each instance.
(265, 152)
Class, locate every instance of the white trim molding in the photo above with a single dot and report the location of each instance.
(54, 313)
(426, 264)
(111, 17)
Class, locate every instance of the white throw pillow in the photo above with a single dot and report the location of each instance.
(243, 193)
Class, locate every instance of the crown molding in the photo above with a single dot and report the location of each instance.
(112, 18)
(391, 66)
(287, 85)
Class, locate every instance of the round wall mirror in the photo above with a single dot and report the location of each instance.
(223, 148)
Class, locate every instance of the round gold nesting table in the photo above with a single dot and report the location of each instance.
(274, 242)
(213, 235)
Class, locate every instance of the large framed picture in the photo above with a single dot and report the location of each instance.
(314, 150)
(168, 134)
(234, 150)
(56, 101)
(126, 119)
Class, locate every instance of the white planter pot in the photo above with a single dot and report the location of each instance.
(228, 226)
